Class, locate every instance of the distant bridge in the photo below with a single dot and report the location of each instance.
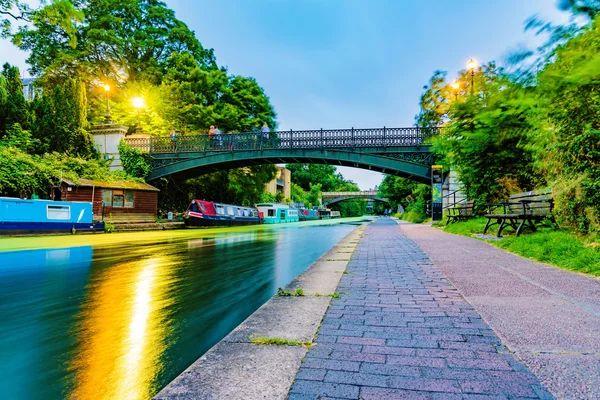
(336, 197)
(397, 151)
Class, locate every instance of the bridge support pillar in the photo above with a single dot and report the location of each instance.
(107, 137)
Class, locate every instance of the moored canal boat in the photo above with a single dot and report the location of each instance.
(278, 213)
(307, 215)
(201, 213)
(46, 216)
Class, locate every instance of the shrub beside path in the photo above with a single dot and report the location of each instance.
(548, 317)
(401, 330)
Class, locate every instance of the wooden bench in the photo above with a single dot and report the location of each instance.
(521, 211)
(461, 212)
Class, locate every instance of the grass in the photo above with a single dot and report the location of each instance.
(334, 296)
(277, 341)
(298, 292)
(561, 248)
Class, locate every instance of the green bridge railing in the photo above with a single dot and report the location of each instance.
(308, 139)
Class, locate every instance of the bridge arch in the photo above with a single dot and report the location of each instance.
(336, 197)
(340, 199)
(190, 165)
(399, 151)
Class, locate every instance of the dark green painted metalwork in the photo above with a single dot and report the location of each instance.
(398, 151)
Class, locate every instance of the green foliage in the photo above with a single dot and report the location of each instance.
(277, 341)
(283, 293)
(20, 139)
(314, 195)
(530, 129)
(135, 162)
(13, 109)
(411, 195)
(109, 226)
(306, 174)
(298, 292)
(267, 198)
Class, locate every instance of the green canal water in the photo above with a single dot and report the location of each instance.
(119, 316)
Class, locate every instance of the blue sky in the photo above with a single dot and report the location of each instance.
(342, 63)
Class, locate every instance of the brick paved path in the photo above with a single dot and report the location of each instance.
(401, 331)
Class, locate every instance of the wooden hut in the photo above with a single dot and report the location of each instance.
(124, 201)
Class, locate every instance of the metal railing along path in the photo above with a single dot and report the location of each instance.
(309, 139)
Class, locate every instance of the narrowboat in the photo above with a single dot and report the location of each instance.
(308, 215)
(325, 213)
(278, 213)
(201, 213)
(336, 214)
(46, 216)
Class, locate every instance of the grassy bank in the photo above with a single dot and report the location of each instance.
(561, 248)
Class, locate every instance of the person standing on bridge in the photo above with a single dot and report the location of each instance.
(264, 133)
(173, 136)
(211, 137)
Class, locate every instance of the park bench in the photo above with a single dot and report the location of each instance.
(461, 212)
(521, 211)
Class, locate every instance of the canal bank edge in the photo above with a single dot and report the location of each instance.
(238, 368)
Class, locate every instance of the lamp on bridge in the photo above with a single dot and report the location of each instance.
(471, 65)
(456, 87)
(107, 117)
(138, 104)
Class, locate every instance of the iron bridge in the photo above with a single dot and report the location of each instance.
(399, 151)
(336, 197)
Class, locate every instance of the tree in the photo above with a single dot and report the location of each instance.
(306, 174)
(119, 41)
(13, 108)
(61, 14)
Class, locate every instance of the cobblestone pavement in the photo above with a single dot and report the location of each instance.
(547, 317)
(402, 331)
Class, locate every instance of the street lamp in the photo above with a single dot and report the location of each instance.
(456, 86)
(138, 104)
(471, 65)
(107, 117)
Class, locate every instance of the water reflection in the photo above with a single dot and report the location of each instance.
(121, 321)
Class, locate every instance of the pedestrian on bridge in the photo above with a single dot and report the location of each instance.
(173, 136)
(211, 137)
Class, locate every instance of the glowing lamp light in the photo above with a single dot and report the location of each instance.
(137, 102)
(472, 64)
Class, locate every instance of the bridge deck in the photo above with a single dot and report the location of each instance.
(309, 139)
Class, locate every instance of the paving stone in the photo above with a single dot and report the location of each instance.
(406, 333)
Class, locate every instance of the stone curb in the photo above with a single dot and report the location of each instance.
(236, 368)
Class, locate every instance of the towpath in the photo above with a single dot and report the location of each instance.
(402, 330)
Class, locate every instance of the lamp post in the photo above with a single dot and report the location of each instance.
(456, 86)
(471, 65)
(107, 117)
(138, 103)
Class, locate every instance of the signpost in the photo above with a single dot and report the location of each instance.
(436, 192)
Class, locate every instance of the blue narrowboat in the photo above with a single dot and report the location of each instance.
(278, 213)
(45, 216)
(206, 213)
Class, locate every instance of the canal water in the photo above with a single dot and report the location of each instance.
(119, 316)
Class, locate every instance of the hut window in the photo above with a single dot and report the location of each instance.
(129, 199)
(230, 211)
(220, 210)
(118, 198)
(58, 212)
(107, 197)
(271, 212)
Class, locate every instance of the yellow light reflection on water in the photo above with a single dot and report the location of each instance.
(122, 332)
